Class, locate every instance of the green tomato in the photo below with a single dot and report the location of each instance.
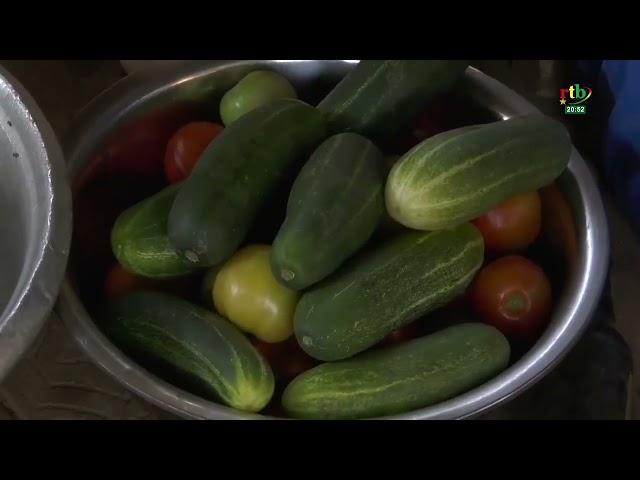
(256, 89)
(246, 293)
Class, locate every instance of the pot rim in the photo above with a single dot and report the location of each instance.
(33, 299)
(572, 316)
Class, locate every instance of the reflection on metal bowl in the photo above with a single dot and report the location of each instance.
(35, 221)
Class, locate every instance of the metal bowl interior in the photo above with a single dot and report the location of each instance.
(202, 84)
(35, 218)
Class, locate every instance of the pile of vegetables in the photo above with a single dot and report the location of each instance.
(361, 257)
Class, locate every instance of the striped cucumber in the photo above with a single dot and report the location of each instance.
(218, 203)
(399, 379)
(140, 242)
(335, 205)
(383, 289)
(459, 175)
(200, 348)
(382, 99)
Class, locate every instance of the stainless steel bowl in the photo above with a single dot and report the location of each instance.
(203, 82)
(35, 220)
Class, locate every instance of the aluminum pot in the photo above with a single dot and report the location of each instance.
(203, 83)
(35, 220)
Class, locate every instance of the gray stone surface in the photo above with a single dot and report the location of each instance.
(56, 381)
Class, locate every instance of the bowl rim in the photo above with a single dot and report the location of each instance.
(572, 317)
(30, 305)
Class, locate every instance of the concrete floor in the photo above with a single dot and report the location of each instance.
(56, 381)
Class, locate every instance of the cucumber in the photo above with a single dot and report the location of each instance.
(459, 175)
(386, 288)
(140, 242)
(417, 374)
(218, 203)
(335, 205)
(202, 349)
(382, 99)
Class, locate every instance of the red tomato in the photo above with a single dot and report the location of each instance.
(442, 114)
(514, 295)
(269, 351)
(428, 125)
(119, 281)
(402, 334)
(139, 147)
(295, 361)
(512, 225)
(186, 146)
(286, 358)
(558, 225)
(96, 207)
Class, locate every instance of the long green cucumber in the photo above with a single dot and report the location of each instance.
(417, 374)
(140, 242)
(386, 288)
(456, 176)
(198, 346)
(388, 226)
(217, 204)
(382, 99)
(335, 205)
